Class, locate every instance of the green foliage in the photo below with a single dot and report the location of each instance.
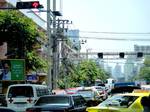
(21, 34)
(34, 61)
(145, 73)
(89, 72)
(147, 61)
(85, 73)
(145, 70)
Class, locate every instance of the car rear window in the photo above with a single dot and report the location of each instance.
(53, 100)
(20, 91)
(86, 93)
(119, 101)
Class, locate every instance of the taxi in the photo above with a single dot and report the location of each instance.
(127, 102)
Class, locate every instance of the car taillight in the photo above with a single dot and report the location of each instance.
(10, 100)
(29, 100)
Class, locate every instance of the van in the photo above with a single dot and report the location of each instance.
(21, 96)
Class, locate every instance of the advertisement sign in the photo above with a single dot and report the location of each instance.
(12, 69)
(32, 77)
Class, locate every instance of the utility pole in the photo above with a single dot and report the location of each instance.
(60, 40)
(54, 76)
(50, 44)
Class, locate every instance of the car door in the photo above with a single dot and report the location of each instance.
(136, 106)
(79, 104)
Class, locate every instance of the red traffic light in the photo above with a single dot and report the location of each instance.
(28, 5)
(35, 4)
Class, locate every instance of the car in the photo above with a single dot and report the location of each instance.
(102, 91)
(59, 103)
(21, 96)
(72, 90)
(122, 89)
(3, 100)
(127, 102)
(91, 96)
(6, 109)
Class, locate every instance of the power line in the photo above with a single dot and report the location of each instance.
(103, 38)
(128, 33)
(120, 62)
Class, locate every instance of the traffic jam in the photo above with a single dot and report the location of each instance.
(122, 97)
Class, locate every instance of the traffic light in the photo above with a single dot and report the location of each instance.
(100, 55)
(28, 5)
(121, 54)
(139, 55)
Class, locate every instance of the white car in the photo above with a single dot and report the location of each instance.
(102, 91)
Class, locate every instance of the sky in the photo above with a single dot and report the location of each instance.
(101, 16)
(100, 21)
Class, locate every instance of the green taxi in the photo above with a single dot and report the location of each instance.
(128, 102)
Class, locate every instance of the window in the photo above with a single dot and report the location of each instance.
(119, 101)
(42, 91)
(20, 91)
(53, 100)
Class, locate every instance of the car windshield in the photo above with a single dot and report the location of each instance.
(53, 100)
(119, 101)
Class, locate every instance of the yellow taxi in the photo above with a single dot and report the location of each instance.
(127, 102)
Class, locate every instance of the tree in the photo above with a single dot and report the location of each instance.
(85, 73)
(145, 70)
(21, 35)
(89, 72)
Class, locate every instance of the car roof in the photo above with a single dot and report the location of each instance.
(123, 89)
(14, 85)
(61, 95)
(6, 109)
(135, 94)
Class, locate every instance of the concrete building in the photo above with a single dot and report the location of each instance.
(74, 37)
(142, 48)
(129, 68)
(133, 64)
(117, 73)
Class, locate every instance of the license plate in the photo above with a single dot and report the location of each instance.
(20, 105)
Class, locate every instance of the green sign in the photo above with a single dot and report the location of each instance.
(17, 69)
(13, 69)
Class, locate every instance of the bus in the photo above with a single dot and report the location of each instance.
(21, 96)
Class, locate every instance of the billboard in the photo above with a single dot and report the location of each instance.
(12, 70)
(32, 77)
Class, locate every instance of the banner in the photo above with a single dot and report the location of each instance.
(12, 69)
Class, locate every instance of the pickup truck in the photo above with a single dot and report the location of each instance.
(59, 103)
